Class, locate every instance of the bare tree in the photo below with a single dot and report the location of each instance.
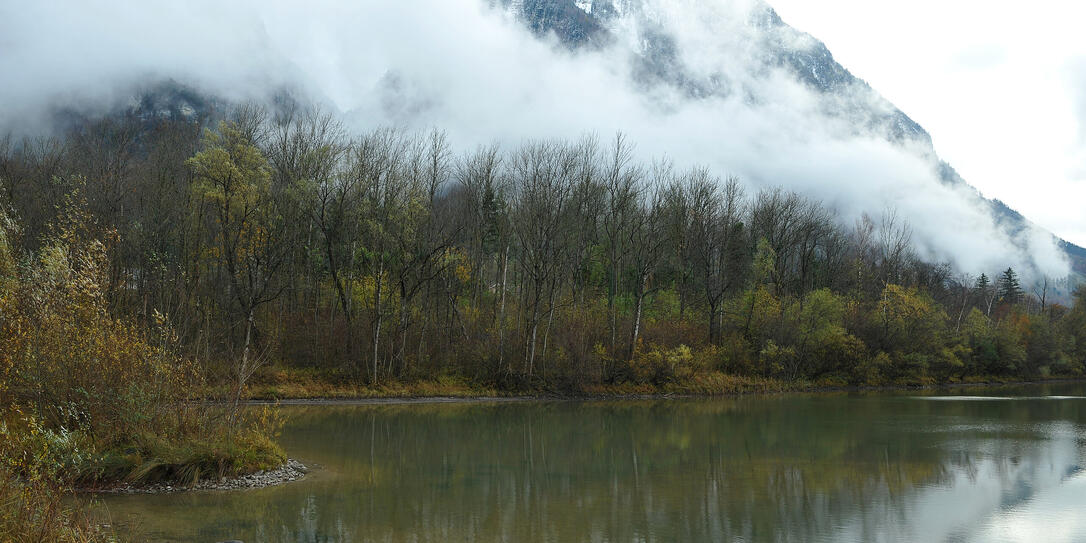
(622, 185)
(647, 241)
(715, 237)
(543, 184)
(377, 164)
(308, 150)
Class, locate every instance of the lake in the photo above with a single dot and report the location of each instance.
(971, 465)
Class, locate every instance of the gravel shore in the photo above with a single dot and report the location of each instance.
(292, 470)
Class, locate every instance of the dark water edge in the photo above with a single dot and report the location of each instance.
(983, 464)
(802, 390)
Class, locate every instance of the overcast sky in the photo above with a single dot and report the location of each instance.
(1000, 85)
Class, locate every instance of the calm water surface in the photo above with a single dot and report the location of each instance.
(996, 465)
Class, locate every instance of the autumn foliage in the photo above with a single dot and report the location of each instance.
(287, 251)
(88, 399)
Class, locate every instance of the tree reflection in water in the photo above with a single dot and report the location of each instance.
(795, 468)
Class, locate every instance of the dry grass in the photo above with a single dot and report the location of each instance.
(300, 384)
(35, 510)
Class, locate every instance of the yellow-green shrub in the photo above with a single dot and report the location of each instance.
(660, 365)
(78, 385)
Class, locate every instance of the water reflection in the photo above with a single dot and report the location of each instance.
(1053, 515)
(817, 468)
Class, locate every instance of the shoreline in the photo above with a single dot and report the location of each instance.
(290, 471)
(543, 397)
(293, 470)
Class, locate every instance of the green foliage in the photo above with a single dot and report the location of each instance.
(825, 346)
(221, 451)
(873, 371)
(1074, 329)
(1010, 291)
(981, 339)
(908, 317)
(776, 359)
(756, 313)
(764, 265)
(285, 243)
(659, 365)
(230, 171)
(735, 355)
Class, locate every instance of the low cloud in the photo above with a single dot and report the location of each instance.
(1076, 89)
(474, 71)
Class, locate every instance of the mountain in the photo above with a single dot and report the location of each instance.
(723, 82)
(584, 25)
(162, 100)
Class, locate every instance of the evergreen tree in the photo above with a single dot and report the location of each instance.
(1010, 291)
(983, 288)
(982, 284)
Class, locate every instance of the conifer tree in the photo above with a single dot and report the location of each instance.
(1010, 291)
(982, 284)
(983, 288)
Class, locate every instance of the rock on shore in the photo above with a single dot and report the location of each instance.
(292, 470)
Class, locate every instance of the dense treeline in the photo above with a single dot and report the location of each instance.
(280, 240)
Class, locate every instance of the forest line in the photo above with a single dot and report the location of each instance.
(282, 242)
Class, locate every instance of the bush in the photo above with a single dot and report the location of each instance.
(872, 371)
(33, 461)
(85, 394)
(734, 355)
(660, 365)
(775, 359)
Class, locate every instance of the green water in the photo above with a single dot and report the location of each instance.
(878, 467)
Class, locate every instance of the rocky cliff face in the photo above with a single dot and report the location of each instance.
(772, 43)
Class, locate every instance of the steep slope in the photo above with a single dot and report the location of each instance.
(773, 44)
(721, 83)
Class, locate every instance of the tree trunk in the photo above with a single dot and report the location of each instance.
(547, 330)
(529, 348)
(712, 322)
(961, 311)
(404, 325)
(378, 317)
(750, 312)
(612, 312)
(341, 292)
(243, 370)
(501, 308)
(637, 316)
(530, 340)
